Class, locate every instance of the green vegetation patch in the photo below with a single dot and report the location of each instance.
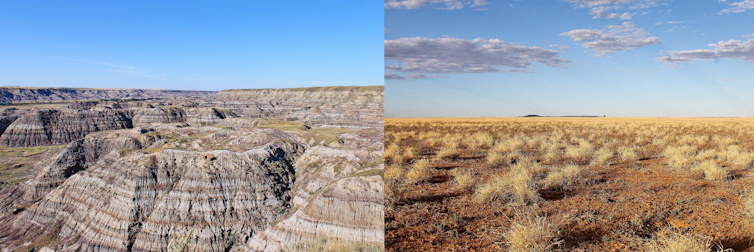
(371, 172)
(327, 135)
(15, 162)
(284, 125)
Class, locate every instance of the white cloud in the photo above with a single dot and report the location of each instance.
(616, 38)
(600, 8)
(644, 5)
(748, 35)
(593, 3)
(674, 22)
(564, 48)
(658, 23)
(601, 11)
(739, 7)
(416, 4)
(414, 76)
(392, 76)
(454, 55)
(731, 49)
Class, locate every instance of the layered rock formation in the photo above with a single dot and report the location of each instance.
(199, 178)
(7, 117)
(352, 107)
(30, 94)
(54, 127)
(338, 106)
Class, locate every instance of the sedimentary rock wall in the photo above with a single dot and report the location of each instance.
(20, 94)
(352, 107)
(54, 127)
(339, 106)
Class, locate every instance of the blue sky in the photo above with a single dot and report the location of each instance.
(456, 58)
(199, 45)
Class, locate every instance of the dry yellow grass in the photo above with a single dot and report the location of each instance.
(464, 180)
(531, 234)
(418, 172)
(393, 152)
(627, 153)
(670, 240)
(393, 173)
(447, 153)
(564, 177)
(709, 170)
(510, 161)
(408, 154)
(517, 187)
(602, 156)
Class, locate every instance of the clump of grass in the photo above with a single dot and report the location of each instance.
(515, 186)
(393, 194)
(737, 159)
(710, 170)
(578, 153)
(627, 154)
(531, 234)
(495, 158)
(526, 163)
(418, 172)
(551, 155)
(447, 153)
(564, 177)
(392, 152)
(602, 156)
(679, 157)
(464, 180)
(508, 145)
(393, 173)
(408, 154)
(705, 155)
(675, 241)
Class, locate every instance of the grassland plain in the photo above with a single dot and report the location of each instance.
(572, 184)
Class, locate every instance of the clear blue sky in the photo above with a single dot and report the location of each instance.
(569, 57)
(199, 45)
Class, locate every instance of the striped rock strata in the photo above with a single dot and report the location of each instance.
(198, 188)
(54, 127)
(351, 107)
